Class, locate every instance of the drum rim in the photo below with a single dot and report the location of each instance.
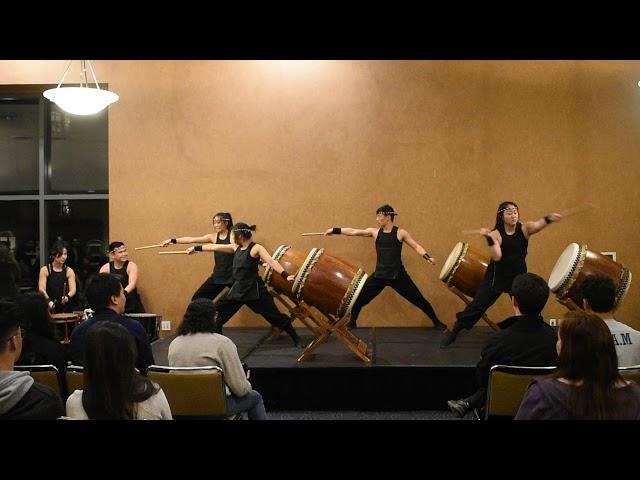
(61, 316)
(625, 284)
(277, 255)
(305, 270)
(141, 315)
(449, 278)
(350, 297)
(578, 263)
(443, 274)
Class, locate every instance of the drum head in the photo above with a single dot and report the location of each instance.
(565, 267)
(451, 261)
(140, 315)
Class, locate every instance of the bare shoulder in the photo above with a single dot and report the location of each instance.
(104, 268)
(257, 249)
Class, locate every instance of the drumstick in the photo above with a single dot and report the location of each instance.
(312, 233)
(179, 252)
(574, 210)
(148, 246)
(471, 232)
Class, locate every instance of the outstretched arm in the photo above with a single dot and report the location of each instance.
(213, 247)
(268, 259)
(408, 239)
(534, 227)
(208, 238)
(351, 232)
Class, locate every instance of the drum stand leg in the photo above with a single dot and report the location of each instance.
(570, 304)
(322, 327)
(466, 300)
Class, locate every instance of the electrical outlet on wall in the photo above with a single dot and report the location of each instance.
(166, 325)
(552, 321)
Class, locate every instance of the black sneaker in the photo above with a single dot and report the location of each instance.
(441, 327)
(450, 336)
(459, 407)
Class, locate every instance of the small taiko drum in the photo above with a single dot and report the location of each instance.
(150, 322)
(330, 284)
(575, 264)
(291, 260)
(465, 268)
(64, 325)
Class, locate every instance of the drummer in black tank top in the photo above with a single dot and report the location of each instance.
(248, 288)
(390, 271)
(222, 275)
(57, 282)
(508, 243)
(127, 271)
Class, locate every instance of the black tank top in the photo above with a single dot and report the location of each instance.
(514, 252)
(389, 250)
(245, 275)
(122, 274)
(223, 268)
(57, 283)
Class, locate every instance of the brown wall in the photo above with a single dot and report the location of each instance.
(302, 146)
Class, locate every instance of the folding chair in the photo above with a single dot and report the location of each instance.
(507, 386)
(192, 392)
(46, 375)
(75, 378)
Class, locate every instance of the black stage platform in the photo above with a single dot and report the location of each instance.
(408, 369)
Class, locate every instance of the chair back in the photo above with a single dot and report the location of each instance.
(75, 378)
(630, 373)
(46, 375)
(507, 386)
(192, 391)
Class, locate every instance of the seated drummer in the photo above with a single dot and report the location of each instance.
(127, 272)
(390, 271)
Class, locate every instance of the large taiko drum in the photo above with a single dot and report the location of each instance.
(465, 268)
(292, 260)
(322, 280)
(575, 264)
(150, 322)
(64, 325)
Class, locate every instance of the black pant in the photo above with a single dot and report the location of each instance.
(264, 306)
(485, 297)
(403, 285)
(209, 289)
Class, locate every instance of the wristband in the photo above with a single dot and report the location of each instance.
(336, 230)
(426, 256)
(173, 240)
(284, 274)
(547, 219)
(490, 241)
(197, 248)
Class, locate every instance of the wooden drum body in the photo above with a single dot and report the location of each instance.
(292, 260)
(575, 264)
(330, 284)
(465, 268)
(150, 322)
(64, 325)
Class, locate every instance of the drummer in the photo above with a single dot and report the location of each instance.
(222, 275)
(390, 271)
(508, 242)
(127, 272)
(57, 282)
(248, 288)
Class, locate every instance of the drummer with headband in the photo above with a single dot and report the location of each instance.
(248, 288)
(508, 243)
(390, 271)
(127, 272)
(222, 275)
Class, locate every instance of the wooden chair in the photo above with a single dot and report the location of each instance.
(192, 392)
(46, 375)
(631, 373)
(75, 378)
(507, 386)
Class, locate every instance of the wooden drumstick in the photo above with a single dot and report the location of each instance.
(472, 232)
(574, 210)
(147, 246)
(312, 233)
(179, 252)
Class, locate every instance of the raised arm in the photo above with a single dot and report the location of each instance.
(266, 258)
(493, 241)
(213, 247)
(132, 272)
(408, 239)
(352, 232)
(535, 226)
(208, 238)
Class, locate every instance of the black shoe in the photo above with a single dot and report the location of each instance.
(441, 327)
(449, 337)
(459, 407)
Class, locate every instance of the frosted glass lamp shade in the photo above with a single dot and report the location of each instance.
(81, 100)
